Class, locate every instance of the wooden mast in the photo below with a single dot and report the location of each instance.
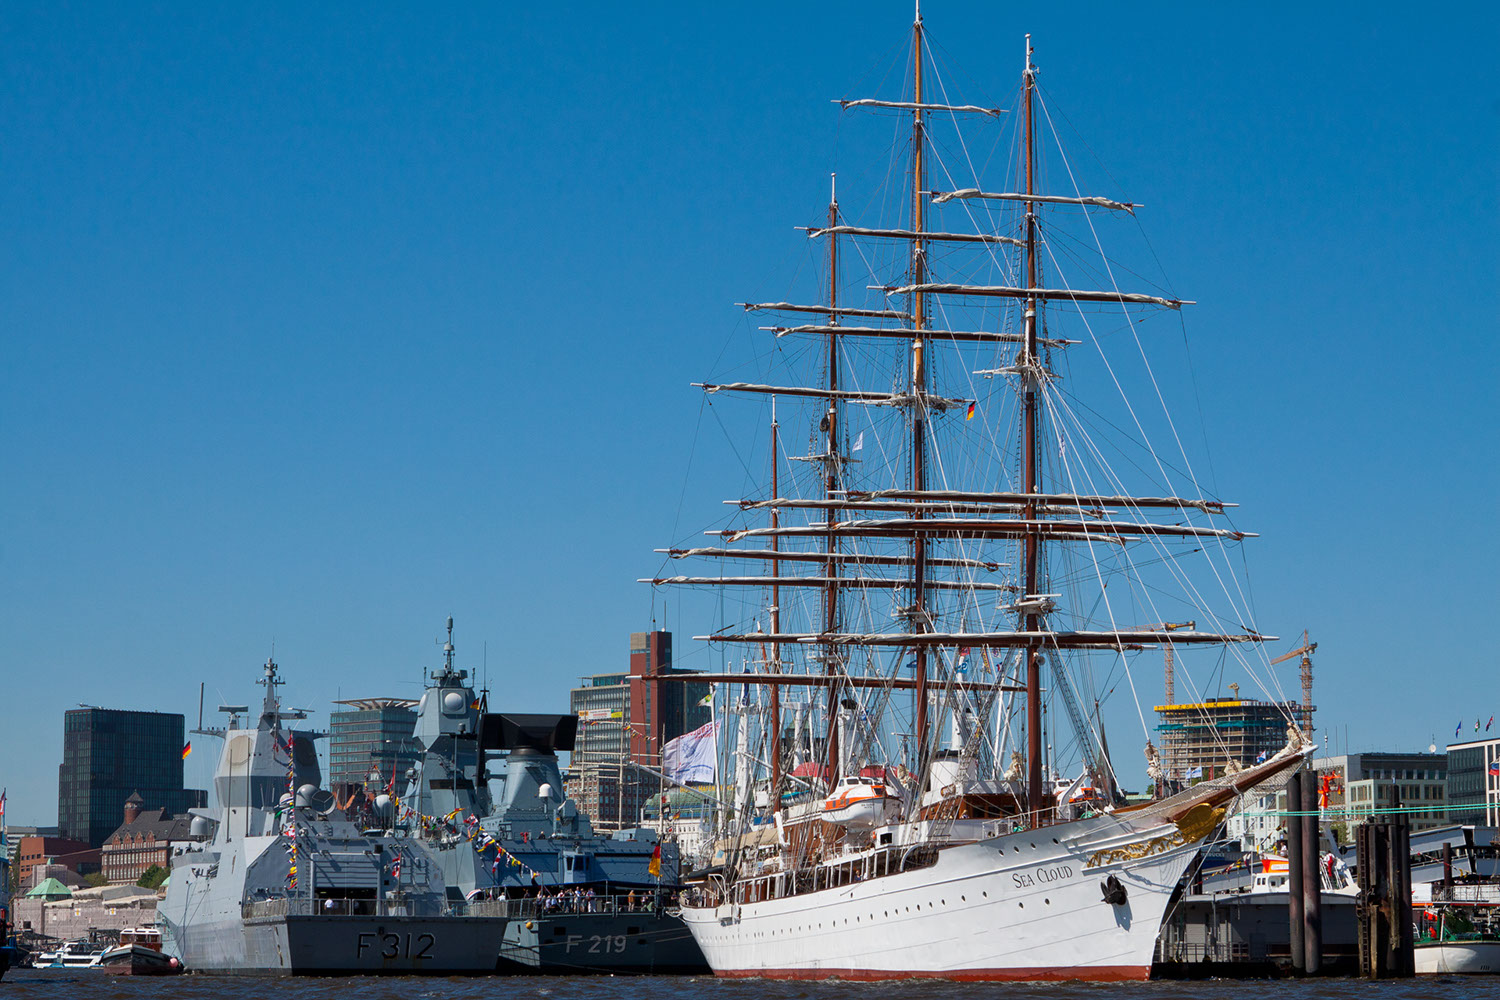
(831, 469)
(1031, 477)
(919, 384)
(773, 659)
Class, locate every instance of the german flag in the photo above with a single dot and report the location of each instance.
(187, 748)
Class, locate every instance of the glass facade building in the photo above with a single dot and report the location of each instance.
(108, 754)
(372, 735)
(1473, 787)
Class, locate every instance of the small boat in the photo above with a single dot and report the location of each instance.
(1455, 950)
(861, 803)
(73, 955)
(139, 954)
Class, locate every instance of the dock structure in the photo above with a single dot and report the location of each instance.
(1240, 935)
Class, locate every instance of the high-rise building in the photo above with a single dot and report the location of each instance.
(1200, 740)
(372, 736)
(1474, 782)
(624, 719)
(110, 754)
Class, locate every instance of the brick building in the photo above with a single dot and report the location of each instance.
(147, 837)
(35, 854)
(625, 719)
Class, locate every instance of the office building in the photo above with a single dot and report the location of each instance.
(371, 737)
(625, 719)
(1474, 782)
(1360, 785)
(110, 754)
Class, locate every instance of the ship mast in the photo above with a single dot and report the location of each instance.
(918, 610)
(831, 468)
(773, 655)
(1031, 479)
(897, 527)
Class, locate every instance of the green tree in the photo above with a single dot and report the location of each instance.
(95, 879)
(153, 877)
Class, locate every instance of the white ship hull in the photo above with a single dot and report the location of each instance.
(1024, 906)
(1457, 958)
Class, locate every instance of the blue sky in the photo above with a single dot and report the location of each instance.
(317, 327)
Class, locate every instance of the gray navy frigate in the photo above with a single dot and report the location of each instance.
(579, 901)
(286, 884)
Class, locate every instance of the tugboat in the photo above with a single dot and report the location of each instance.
(139, 954)
(288, 885)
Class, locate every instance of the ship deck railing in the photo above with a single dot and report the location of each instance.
(827, 875)
(643, 902)
(301, 906)
(549, 906)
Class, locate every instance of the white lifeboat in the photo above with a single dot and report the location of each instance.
(861, 803)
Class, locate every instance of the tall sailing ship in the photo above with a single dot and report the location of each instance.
(915, 603)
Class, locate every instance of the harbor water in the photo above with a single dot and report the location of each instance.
(65, 984)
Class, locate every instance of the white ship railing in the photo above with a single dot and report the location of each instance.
(1466, 894)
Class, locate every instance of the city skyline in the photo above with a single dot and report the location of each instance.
(323, 326)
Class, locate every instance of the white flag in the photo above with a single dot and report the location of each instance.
(859, 442)
(690, 758)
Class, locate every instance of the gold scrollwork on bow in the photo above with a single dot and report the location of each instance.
(1197, 823)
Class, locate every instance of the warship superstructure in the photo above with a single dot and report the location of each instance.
(287, 884)
(579, 901)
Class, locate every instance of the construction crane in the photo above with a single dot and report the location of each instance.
(1170, 661)
(1305, 651)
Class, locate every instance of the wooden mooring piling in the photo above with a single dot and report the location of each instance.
(1384, 906)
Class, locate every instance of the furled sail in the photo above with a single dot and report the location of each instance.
(1048, 199)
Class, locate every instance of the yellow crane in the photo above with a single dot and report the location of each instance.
(1170, 661)
(1305, 651)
